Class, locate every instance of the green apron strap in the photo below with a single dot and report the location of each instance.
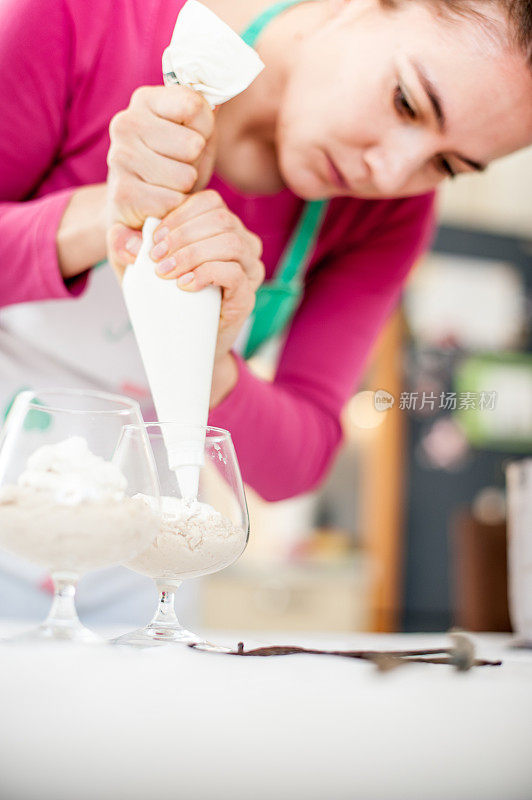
(303, 241)
(253, 31)
(277, 301)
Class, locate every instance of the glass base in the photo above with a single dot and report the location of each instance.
(153, 635)
(209, 647)
(75, 632)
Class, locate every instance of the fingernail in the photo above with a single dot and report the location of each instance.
(185, 279)
(160, 233)
(167, 265)
(159, 250)
(133, 245)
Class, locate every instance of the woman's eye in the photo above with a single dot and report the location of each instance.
(401, 103)
(444, 166)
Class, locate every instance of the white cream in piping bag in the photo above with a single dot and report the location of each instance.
(176, 330)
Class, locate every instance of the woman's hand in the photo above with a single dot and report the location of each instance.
(202, 243)
(161, 149)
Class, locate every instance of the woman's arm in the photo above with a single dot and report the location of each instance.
(286, 432)
(35, 64)
(29, 268)
(47, 242)
(82, 231)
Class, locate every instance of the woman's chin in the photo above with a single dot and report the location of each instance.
(303, 181)
(307, 186)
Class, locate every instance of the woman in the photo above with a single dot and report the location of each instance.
(368, 103)
(358, 102)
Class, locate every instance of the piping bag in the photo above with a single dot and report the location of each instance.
(176, 330)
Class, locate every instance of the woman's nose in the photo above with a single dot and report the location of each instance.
(393, 164)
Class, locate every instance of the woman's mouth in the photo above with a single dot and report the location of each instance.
(334, 174)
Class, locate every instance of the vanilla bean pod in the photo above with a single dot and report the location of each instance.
(287, 650)
(461, 655)
(388, 658)
(477, 662)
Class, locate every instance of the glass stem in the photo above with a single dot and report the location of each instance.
(165, 616)
(63, 611)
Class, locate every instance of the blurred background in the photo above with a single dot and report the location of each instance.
(409, 531)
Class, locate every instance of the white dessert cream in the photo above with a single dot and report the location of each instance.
(193, 540)
(69, 511)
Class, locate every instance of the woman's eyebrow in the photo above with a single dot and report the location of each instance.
(439, 113)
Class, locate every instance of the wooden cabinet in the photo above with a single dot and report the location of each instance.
(383, 484)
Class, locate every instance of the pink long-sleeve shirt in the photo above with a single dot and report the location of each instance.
(67, 67)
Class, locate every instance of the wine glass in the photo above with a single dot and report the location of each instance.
(68, 478)
(201, 532)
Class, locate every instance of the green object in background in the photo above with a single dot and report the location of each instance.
(35, 420)
(503, 422)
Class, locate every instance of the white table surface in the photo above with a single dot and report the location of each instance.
(99, 723)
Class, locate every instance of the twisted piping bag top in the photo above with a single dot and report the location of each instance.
(207, 55)
(176, 331)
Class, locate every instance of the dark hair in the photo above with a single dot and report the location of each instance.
(518, 13)
(520, 17)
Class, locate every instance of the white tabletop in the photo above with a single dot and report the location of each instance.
(102, 723)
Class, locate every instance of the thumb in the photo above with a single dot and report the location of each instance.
(205, 163)
(123, 245)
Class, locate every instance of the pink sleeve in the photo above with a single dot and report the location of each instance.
(35, 54)
(286, 432)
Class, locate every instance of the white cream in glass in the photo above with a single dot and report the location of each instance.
(70, 487)
(197, 536)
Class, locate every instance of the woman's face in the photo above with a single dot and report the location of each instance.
(384, 103)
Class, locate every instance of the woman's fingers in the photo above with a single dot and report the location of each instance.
(171, 140)
(203, 229)
(205, 163)
(158, 170)
(227, 246)
(123, 245)
(158, 151)
(131, 200)
(209, 223)
(178, 104)
(202, 243)
(160, 135)
(238, 297)
(192, 207)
